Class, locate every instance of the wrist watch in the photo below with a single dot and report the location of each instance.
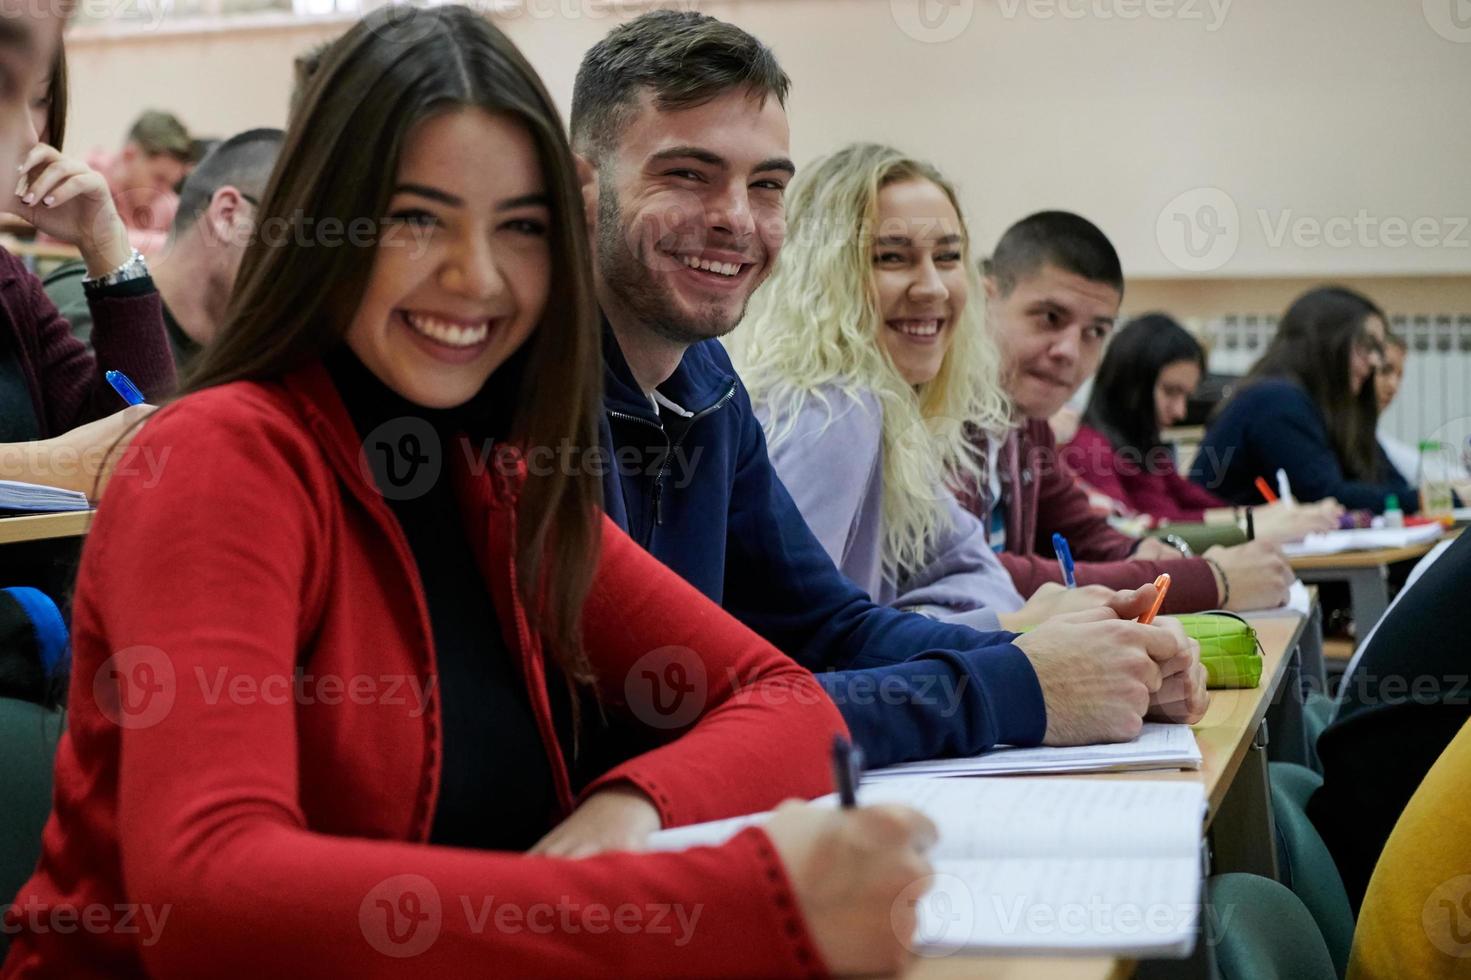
(135, 268)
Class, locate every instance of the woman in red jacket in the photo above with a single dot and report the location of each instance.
(363, 668)
(1147, 375)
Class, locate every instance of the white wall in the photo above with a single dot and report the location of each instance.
(1308, 111)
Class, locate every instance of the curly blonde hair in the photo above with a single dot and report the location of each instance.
(815, 324)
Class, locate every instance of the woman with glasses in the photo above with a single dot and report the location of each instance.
(1309, 408)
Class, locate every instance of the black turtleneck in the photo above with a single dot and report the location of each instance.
(496, 789)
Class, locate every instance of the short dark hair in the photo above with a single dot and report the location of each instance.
(685, 58)
(243, 161)
(1058, 238)
(161, 132)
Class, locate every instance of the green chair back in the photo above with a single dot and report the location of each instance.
(1305, 863)
(28, 736)
(1262, 931)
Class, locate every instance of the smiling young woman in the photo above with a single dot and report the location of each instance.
(349, 513)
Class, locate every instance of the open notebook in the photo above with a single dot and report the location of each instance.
(1159, 746)
(1076, 866)
(34, 497)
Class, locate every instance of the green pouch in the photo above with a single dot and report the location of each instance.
(1228, 648)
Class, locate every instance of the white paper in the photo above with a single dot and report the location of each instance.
(1159, 746)
(1037, 865)
(1362, 539)
(15, 495)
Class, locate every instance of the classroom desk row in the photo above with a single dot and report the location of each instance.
(1234, 746)
(1242, 729)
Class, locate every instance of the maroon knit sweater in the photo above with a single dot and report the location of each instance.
(66, 378)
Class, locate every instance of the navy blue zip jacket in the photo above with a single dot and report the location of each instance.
(699, 493)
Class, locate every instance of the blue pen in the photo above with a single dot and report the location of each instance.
(1064, 560)
(125, 387)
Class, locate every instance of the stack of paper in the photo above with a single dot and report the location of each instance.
(1159, 746)
(1043, 865)
(1362, 539)
(34, 497)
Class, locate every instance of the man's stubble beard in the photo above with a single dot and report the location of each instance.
(640, 290)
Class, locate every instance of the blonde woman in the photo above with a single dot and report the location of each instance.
(866, 363)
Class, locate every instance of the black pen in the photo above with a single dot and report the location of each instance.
(847, 762)
(1250, 525)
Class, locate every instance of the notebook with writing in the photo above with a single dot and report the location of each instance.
(1043, 866)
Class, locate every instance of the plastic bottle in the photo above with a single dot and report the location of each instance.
(1434, 478)
(1393, 516)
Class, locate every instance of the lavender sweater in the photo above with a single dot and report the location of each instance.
(832, 464)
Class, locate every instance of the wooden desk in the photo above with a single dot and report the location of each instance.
(38, 527)
(1366, 573)
(1232, 738)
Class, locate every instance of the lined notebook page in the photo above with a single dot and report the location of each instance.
(1026, 818)
(1122, 907)
(1072, 865)
(1159, 746)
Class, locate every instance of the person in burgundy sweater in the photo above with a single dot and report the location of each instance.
(1150, 369)
(58, 414)
(358, 674)
(1053, 290)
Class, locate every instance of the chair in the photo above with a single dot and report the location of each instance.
(28, 735)
(1305, 863)
(1263, 932)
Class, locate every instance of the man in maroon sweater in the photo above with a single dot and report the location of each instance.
(1053, 289)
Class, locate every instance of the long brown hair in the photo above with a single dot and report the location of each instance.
(291, 305)
(1315, 341)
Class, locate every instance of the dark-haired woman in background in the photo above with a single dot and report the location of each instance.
(423, 627)
(1308, 407)
(1148, 372)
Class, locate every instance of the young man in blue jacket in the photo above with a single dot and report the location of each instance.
(679, 122)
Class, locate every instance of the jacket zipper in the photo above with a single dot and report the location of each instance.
(670, 447)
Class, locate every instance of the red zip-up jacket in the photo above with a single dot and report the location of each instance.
(243, 828)
(1043, 497)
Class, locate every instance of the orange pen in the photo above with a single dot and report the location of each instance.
(1163, 585)
(1266, 490)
